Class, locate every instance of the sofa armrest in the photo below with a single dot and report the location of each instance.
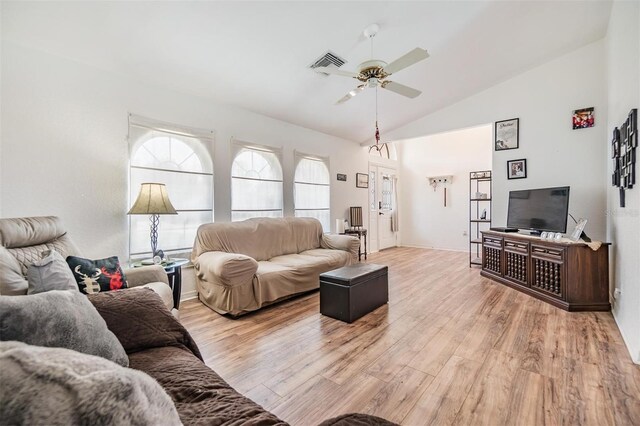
(145, 275)
(228, 269)
(341, 242)
(140, 320)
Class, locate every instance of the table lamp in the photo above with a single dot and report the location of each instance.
(154, 201)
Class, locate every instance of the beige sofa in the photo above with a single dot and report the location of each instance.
(243, 266)
(23, 239)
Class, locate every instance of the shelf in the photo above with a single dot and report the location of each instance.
(480, 199)
(481, 220)
(476, 261)
(476, 241)
(481, 179)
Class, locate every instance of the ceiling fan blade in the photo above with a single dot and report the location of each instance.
(351, 94)
(401, 89)
(416, 55)
(336, 71)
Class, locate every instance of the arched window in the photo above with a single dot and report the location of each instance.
(256, 184)
(311, 189)
(182, 163)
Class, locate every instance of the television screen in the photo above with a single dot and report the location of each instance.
(543, 209)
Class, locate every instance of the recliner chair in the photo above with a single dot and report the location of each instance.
(23, 239)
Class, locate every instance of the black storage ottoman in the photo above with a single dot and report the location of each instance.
(350, 292)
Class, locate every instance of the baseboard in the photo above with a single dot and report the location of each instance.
(433, 248)
(634, 357)
(188, 295)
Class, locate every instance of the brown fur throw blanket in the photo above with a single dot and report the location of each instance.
(54, 386)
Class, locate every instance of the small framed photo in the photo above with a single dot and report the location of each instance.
(517, 169)
(506, 134)
(584, 118)
(577, 231)
(341, 177)
(362, 180)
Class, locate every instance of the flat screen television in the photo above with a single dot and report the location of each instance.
(538, 210)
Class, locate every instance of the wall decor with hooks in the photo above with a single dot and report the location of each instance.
(434, 181)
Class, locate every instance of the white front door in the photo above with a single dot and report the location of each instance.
(381, 203)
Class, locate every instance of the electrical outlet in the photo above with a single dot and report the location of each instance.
(616, 293)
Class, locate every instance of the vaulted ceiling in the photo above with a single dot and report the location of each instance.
(256, 55)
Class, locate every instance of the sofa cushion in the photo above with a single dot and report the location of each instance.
(199, 394)
(12, 280)
(57, 386)
(140, 320)
(260, 238)
(51, 272)
(25, 238)
(94, 276)
(63, 319)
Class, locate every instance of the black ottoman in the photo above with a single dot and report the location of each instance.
(353, 291)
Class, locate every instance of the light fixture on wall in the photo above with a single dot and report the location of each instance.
(381, 148)
(153, 200)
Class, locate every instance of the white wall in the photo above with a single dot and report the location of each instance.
(623, 74)
(64, 149)
(424, 221)
(543, 98)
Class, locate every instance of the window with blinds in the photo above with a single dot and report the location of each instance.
(311, 189)
(177, 157)
(256, 182)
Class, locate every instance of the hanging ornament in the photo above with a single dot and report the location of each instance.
(380, 148)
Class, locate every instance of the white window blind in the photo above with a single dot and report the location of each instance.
(311, 189)
(256, 182)
(177, 157)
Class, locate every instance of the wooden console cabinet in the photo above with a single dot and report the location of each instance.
(568, 275)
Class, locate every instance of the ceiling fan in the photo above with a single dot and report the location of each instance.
(373, 73)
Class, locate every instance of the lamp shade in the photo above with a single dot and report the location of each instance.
(153, 199)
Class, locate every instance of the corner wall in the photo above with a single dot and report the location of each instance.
(425, 221)
(623, 224)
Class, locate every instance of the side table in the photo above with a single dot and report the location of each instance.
(174, 273)
(360, 233)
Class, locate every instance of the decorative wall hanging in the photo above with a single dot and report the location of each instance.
(362, 180)
(584, 118)
(341, 177)
(517, 169)
(507, 134)
(623, 151)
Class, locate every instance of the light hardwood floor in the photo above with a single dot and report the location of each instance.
(451, 347)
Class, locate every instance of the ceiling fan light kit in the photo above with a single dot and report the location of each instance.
(373, 73)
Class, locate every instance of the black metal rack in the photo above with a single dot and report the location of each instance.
(478, 180)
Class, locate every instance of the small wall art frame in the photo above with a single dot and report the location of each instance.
(583, 118)
(517, 169)
(507, 133)
(362, 180)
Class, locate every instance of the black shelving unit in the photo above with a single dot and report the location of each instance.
(479, 181)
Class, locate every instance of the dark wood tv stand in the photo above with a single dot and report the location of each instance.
(568, 275)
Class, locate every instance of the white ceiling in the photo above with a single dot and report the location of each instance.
(255, 54)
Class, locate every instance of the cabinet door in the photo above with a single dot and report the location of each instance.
(492, 254)
(516, 261)
(548, 272)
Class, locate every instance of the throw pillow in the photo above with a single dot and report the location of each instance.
(94, 276)
(60, 319)
(61, 387)
(51, 272)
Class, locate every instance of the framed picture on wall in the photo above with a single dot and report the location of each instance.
(517, 169)
(362, 180)
(506, 134)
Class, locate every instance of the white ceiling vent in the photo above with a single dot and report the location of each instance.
(327, 60)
